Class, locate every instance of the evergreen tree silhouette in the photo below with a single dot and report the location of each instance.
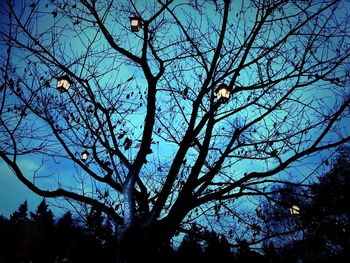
(43, 217)
(99, 226)
(20, 216)
(246, 254)
(270, 252)
(217, 248)
(66, 237)
(323, 219)
(19, 239)
(5, 239)
(327, 218)
(190, 246)
(42, 234)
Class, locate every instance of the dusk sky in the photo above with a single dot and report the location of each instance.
(13, 193)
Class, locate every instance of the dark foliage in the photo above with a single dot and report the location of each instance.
(320, 230)
(39, 238)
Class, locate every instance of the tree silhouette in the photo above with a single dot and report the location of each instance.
(43, 216)
(99, 226)
(280, 213)
(191, 245)
(217, 248)
(42, 232)
(89, 242)
(65, 237)
(319, 232)
(327, 217)
(18, 243)
(141, 134)
(20, 217)
(246, 254)
(6, 244)
(270, 253)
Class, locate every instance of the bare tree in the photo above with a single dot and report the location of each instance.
(161, 150)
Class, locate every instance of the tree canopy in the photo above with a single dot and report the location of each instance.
(142, 133)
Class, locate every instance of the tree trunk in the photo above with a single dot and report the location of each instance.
(144, 244)
(150, 241)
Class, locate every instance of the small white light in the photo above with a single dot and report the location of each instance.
(135, 23)
(84, 156)
(294, 210)
(63, 83)
(222, 93)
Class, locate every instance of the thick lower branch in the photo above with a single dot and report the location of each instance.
(59, 192)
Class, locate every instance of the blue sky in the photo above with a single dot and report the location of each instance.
(13, 192)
